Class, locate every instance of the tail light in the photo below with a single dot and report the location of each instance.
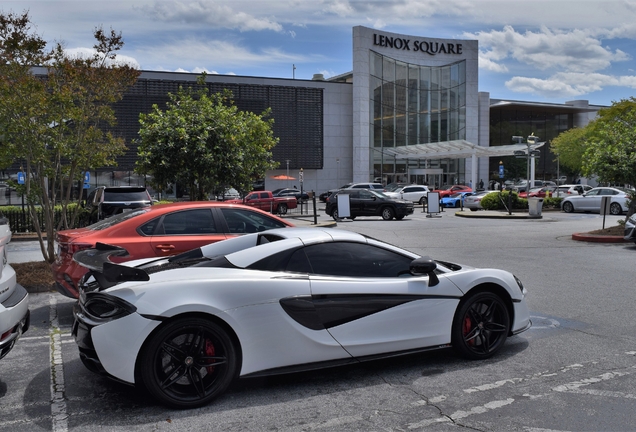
(71, 248)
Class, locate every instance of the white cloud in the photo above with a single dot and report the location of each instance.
(220, 54)
(568, 84)
(574, 50)
(90, 52)
(209, 12)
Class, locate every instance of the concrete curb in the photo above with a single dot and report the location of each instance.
(595, 238)
(490, 214)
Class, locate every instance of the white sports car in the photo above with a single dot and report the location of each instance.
(281, 301)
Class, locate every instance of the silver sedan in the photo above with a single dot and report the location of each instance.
(591, 200)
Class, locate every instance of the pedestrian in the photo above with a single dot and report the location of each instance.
(481, 183)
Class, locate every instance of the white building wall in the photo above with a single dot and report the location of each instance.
(363, 42)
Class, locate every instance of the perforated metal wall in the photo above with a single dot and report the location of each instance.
(297, 114)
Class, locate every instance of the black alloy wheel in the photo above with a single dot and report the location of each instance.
(481, 326)
(387, 213)
(188, 362)
(568, 207)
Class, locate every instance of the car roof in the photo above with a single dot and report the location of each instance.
(240, 251)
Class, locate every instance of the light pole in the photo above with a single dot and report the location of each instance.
(338, 172)
(287, 178)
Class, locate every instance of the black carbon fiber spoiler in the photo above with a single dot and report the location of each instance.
(97, 261)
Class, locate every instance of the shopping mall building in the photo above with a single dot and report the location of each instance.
(410, 110)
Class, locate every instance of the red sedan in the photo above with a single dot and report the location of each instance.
(446, 191)
(539, 192)
(157, 231)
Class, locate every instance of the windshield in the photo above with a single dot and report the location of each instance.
(114, 220)
(378, 193)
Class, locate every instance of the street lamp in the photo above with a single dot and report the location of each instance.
(287, 178)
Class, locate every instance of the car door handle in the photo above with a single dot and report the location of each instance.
(165, 247)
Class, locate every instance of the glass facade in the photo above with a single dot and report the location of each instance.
(545, 122)
(413, 104)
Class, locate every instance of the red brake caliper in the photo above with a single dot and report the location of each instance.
(466, 328)
(209, 351)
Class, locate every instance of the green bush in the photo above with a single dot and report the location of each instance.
(552, 202)
(20, 221)
(493, 201)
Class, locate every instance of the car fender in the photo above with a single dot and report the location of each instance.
(469, 279)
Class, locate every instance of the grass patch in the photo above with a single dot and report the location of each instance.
(618, 230)
(36, 274)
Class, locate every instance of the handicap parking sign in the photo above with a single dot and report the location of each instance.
(21, 177)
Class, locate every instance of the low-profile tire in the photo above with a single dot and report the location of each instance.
(472, 209)
(387, 213)
(480, 326)
(400, 217)
(615, 209)
(188, 362)
(282, 209)
(334, 214)
(568, 207)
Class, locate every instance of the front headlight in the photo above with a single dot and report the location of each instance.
(519, 283)
(101, 308)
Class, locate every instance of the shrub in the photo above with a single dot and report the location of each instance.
(495, 201)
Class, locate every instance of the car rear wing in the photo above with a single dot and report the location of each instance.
(107, 273)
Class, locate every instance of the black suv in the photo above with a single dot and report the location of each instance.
(108, 201)
(368, 202)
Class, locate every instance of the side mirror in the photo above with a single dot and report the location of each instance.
(425, 266)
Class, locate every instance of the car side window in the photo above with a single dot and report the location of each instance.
(593, 192)
(242, 221)
(355, 260)
(189, 222)
(363, 194)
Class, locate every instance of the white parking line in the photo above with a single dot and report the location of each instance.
(58, 402)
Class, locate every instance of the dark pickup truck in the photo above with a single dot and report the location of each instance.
(264, 200)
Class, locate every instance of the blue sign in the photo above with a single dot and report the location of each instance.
(87, 185)
(87, 177)
(21, 177)
(501, 171)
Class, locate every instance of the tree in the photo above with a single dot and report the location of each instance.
(54, 124)
(570, 147)
(203, 141)
(610, 150)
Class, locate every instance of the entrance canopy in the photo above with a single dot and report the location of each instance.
(455, 149)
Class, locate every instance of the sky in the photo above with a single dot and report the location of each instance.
(531, 50)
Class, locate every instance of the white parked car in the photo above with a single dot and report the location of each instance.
(415, 193)
(565, 191)
(14, 299)
(473, 202)
(280, 301)
(590, 201)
